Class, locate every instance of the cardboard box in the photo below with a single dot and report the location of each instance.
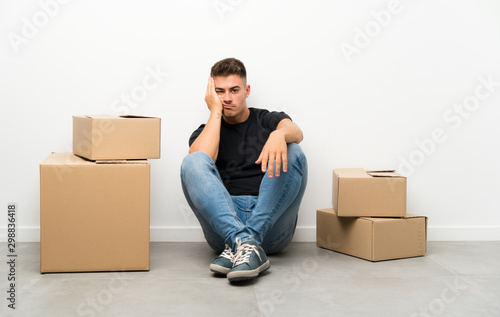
(373, 239)
(105, 137)
(358, 193)
(94, 216)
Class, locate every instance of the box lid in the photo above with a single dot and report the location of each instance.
(388, 219)
(389, 173)
(351, 172)
(362, 173)
(108, 116)
(72, 159)
(96, 116)
(130, 116)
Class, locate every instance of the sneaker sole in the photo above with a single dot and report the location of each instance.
(237, 276)
(219, 269)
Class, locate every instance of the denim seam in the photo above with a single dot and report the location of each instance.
(225, 196)
(244, 209)
(285, 192)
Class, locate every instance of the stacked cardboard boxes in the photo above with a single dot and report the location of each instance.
(369, 219)
(94, 202)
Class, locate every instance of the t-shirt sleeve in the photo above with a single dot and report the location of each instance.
(271, 119)
(195, 134)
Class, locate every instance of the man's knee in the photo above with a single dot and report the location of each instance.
(194, 159)
(294, 152)
(193, 163)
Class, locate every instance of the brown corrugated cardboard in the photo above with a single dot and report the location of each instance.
(94, 216)
(373, 239)
(105, 137)
(358, 193)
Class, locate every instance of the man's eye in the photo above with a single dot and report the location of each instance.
(235, 90)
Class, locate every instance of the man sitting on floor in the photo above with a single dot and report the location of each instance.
(243, 214)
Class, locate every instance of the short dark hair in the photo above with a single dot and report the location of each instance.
(229, 66)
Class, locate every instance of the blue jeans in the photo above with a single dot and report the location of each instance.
(269, 218)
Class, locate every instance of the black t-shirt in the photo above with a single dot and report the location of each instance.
(240, 146)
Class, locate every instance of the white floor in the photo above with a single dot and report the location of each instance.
(454, 279)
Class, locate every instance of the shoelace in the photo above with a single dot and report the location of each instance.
(244, 252)
(228, 253)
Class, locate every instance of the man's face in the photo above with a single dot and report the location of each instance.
(233, 91)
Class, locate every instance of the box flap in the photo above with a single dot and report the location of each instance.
(109, 116)
(98, 116)
(391, 173)
(350, 172)
(414, 216)
(385, 219)
(380, 171)
(121, 162)
(135, 116)
(72, 159)
(362, 173)
(65, 159)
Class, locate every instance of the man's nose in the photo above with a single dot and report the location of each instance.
(227, 97)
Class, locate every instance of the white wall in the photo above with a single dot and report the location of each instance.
(368, 107)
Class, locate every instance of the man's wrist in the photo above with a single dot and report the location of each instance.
(216, 114)
(280, 133)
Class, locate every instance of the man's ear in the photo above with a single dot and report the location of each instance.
(247, 91)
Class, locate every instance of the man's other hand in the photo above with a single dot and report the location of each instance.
(274, 151)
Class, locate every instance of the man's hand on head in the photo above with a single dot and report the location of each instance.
(275, 150)
(213, 101)
(208, 140)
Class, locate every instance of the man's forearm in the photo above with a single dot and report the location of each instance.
(209, 138)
